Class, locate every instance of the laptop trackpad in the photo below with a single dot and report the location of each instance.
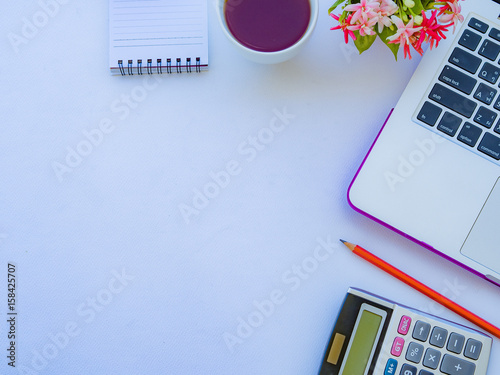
(483, 242)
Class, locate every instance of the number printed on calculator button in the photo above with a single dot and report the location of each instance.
(408, 370)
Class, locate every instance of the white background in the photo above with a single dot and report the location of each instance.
(190, 283)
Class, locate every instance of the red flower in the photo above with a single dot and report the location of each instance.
(431, 31)
(344, 27)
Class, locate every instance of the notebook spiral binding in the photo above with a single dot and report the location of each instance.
(160, 67)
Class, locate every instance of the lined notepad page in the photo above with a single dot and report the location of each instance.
(153, 30)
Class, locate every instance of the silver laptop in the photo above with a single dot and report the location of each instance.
(433, 173)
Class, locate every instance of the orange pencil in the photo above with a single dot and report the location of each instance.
(422, 288)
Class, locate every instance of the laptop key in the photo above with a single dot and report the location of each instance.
(490, 145)
(465, 60)
(457, 79)
(470, 39)
(495, 34)
(469, 134)
(485, 93)
(429, 113)
(478, 25)
(449, 124)
(490, 73)
(497, 127)
(485, 117)
(489, 49)
(453, 100)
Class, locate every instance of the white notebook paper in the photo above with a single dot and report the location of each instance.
(157, 36)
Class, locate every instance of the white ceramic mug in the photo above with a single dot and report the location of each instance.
(269, 57)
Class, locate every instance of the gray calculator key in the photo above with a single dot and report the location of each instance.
(455, 343)
(473, 349)
(408, 370)
(421, 331)
(414, 352)
(425, 372)
(432, 358)
(438, 337)
(452, 365)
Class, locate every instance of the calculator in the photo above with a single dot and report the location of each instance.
(376, 336)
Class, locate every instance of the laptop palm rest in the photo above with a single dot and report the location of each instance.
(483, 242)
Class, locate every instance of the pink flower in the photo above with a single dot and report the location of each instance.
(364, 28)
(364, 10)
(450, 13)
(387, 9)
(405, 34)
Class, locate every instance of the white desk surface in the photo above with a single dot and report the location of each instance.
(185, 286)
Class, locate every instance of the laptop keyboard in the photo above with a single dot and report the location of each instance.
(463, 102)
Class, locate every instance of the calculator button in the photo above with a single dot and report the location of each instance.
(397, 346)
(452, 365)
(438, 337)
(455, 343)
(408, 370)
(473, 349)
(404, 325)
(431, 358)
(390, 368)
(414, 352)
(421, 331)
(425, 372)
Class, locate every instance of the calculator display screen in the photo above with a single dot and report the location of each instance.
(362, 343)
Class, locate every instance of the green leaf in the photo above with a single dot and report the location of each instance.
(418, 8)
(337, 3)
(387, 32)
(362, 43)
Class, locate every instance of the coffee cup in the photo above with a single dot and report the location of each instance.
(268, 31)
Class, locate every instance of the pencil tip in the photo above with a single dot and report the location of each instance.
(341, 240)
(349, 245)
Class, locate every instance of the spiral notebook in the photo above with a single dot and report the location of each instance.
(157, 36)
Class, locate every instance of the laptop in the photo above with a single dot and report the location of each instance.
(433, 173)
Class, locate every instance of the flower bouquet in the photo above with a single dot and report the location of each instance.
(399, 23)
